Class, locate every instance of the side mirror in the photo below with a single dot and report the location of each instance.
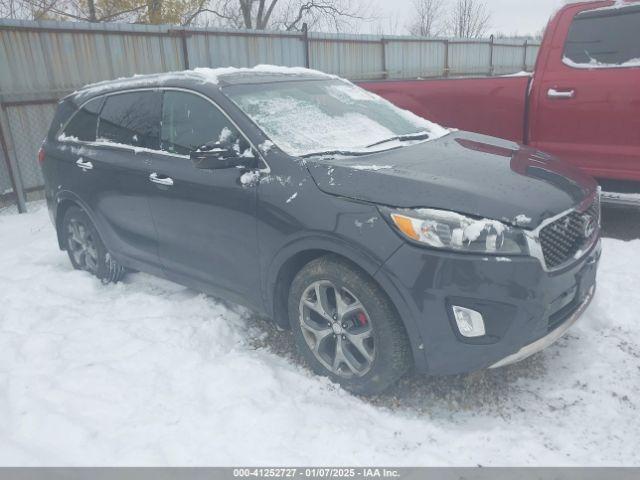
(214, 156)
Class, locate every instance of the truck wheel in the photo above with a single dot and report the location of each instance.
(85, 248)
(346, 328)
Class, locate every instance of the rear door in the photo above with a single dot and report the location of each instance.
(127, 136)
(586, 95)
(75, 154)
(205, 218)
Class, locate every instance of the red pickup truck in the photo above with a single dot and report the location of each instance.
(582, 103)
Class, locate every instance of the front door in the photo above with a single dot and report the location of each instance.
(205, 218)
(586, 102)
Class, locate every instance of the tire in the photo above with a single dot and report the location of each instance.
(85, 247)
(357, 339)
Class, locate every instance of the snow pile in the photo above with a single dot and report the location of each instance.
(150, 373)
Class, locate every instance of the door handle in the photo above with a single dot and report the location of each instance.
(553, 93)
(161, 180)
(84, 165)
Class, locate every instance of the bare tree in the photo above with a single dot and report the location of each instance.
(281, 14)
(133, 11)
(250, 14)
(428, 18)
(389, 25)
(469, 19)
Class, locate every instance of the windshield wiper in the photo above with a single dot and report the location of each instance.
(346, 153)
(402, 138)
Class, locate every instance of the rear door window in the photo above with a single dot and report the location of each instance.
(190, 121)
(604, 38)
(84, 123)
(131, 119)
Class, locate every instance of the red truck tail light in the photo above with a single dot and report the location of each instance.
(41, 156)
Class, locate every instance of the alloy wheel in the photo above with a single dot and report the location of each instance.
(82, 246)
(337, 329)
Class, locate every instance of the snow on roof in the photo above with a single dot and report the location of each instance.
(616, 3)
(203, 75)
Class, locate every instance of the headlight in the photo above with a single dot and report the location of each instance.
(452, 231)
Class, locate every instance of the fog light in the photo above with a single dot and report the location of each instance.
(470, 322)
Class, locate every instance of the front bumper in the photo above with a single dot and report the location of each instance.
(525, 307)
(544, 342)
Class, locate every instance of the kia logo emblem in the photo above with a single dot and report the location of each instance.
(588, 225)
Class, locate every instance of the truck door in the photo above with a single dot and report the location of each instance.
(586, 95)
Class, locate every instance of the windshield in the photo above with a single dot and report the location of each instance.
(308, 117)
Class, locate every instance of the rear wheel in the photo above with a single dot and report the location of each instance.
(346, 328)
(86, 249)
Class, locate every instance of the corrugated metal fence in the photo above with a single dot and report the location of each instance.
(42, 61)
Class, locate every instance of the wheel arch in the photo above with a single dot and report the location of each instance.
(288, 263)
(66, 200)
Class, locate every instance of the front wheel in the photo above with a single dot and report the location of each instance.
(85, 247)
(346, 328)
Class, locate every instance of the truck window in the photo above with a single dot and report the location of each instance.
(131, 119)
(604, 38)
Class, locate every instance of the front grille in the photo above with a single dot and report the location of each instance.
(564, 238)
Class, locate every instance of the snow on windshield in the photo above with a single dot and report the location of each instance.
(308, 117)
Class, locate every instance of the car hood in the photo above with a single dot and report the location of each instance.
(463, 172)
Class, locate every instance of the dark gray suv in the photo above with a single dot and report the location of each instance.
(382, 240)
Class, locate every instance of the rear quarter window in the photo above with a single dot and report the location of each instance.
(84, 122)
(131, 119)
(604, 38)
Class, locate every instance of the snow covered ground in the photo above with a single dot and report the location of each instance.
(147, 372)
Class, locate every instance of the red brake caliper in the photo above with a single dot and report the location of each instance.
(362, 318)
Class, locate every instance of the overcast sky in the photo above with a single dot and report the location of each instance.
(508, 16)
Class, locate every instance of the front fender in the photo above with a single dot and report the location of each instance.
(325, 244)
